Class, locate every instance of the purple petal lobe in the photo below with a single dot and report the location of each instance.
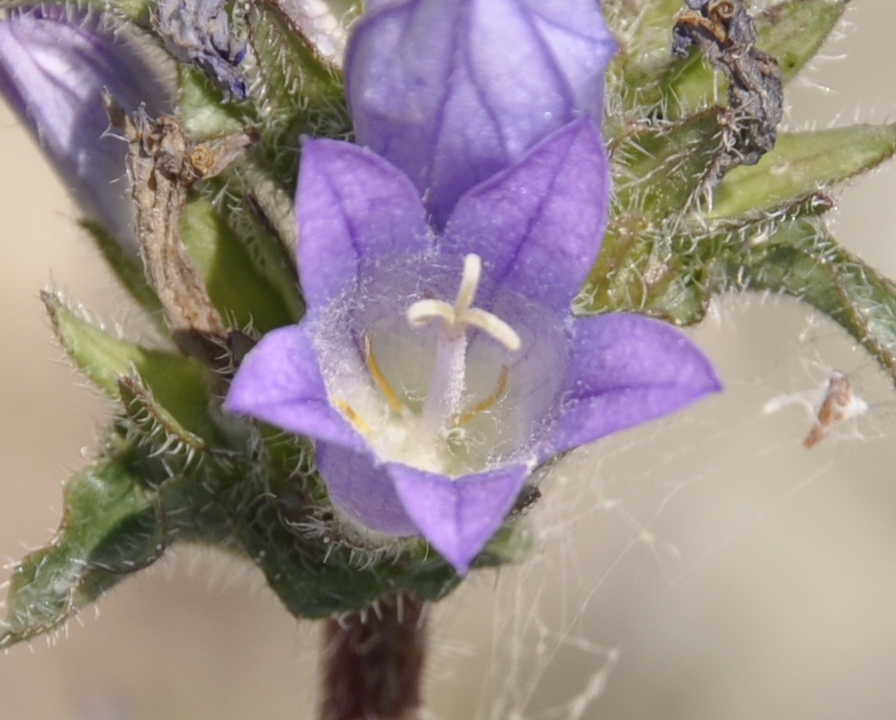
(458, 516)
(53, 70)
(626, 369)
(363, 490)
(352, 208)
(452, 92)
(537, 226)
(280, 382)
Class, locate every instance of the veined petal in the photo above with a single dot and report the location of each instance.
(458, 516)
(626, 369)
(452, 92)
(280, 382)
(352, 208)
(363, 490)
(52, 70)
(538, 225)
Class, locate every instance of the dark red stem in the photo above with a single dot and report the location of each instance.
(373, 662)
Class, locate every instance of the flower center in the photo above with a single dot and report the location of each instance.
(442, 408)
(432, 435)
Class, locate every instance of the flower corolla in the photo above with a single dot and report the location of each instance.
(436, 370)
(439, 362)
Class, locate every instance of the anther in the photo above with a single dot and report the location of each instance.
(486, 403)
(379, 378)
(353, 417)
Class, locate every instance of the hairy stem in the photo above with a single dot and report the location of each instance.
(373, 662)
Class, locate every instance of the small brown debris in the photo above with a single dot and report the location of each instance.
(838, 405)
(726, 35)
(163, 166)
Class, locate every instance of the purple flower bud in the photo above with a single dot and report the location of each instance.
(436, 370)
(452, 91)
(53, 68)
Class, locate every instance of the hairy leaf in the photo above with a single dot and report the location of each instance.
(802, 260)
(110, 528)
(800, 165)
(660, 169)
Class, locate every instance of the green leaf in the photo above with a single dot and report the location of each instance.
(634, 73)
(177, 383)
(791, 31)
(800, 165)
(802, 260)
(794, 31)
(659, 169)
(110, 528)
(641, 269)
(646, 29)
(237, 281)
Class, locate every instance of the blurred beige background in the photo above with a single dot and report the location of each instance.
(704, 567)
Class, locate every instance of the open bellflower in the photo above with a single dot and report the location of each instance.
(439, 362)
(53, 67)
(435, 370)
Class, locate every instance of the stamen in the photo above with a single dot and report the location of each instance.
(485, 404)
(379, 378)
(353, 417)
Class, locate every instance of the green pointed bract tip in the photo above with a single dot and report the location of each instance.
(801, 259)
(177, 383)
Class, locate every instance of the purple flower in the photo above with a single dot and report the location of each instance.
(436, 370)
(53, 68)
(452, 91)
